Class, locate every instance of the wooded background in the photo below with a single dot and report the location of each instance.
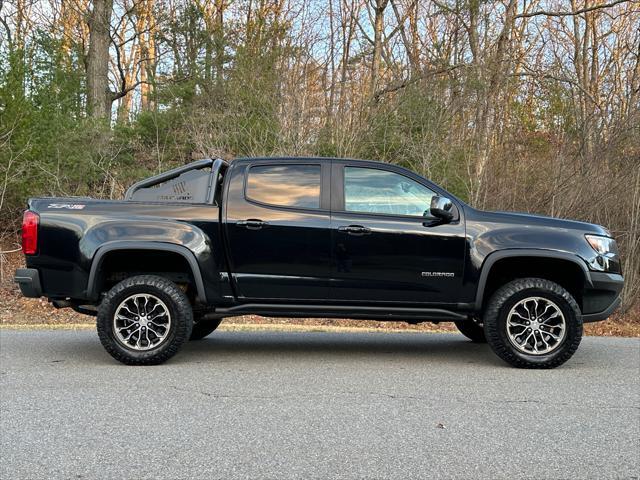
(528, 105)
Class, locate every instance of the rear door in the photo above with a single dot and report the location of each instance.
(386, 246)
(278, 229)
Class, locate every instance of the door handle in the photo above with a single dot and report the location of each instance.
(251, 224)
(357, 230)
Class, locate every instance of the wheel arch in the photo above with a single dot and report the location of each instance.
(495, 259)
(133, 246)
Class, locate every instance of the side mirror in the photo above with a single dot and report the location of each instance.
(442, 208)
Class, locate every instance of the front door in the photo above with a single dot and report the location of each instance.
(386, 246)
(278, 229)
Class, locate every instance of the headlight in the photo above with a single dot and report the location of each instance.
(602, 245)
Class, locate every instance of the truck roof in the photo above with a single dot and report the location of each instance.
(317, 159)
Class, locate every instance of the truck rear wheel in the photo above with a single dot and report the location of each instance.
(144, 320)
(202, 328)
(472, 330)
(533, 323)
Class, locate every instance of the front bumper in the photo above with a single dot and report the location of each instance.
(602, 298)
(29, 281)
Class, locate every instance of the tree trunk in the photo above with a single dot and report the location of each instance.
(98, 94)
(219, 42)
(332, 68)
(147, 48)
(378, 27)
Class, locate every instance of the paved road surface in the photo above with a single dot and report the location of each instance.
(315, 405)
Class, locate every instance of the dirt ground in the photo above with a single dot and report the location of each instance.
(17, 310)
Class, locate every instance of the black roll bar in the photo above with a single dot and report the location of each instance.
(215, 164)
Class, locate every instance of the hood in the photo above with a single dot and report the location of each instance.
(528, 219)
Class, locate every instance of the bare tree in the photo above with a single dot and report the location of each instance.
(379, 7)
(99, 97)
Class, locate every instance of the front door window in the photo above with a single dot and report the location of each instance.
(369, 190)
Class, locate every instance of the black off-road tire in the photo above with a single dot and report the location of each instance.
(175, 300)
(501, 302)
(203, 328)
(472, 330)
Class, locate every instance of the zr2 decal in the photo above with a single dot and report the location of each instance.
(68, 206)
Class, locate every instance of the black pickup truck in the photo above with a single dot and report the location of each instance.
(315, 237)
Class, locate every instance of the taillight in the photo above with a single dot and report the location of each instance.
(30, 222)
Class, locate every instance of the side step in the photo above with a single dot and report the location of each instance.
(341, 311)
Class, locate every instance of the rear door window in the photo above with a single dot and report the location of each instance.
(296, 186)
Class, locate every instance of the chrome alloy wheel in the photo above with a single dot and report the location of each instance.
(536, 326)
(141, 322)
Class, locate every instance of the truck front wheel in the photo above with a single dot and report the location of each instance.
(144, 320)
(533, 323)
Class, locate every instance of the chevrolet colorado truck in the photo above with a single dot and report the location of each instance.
(315, 237)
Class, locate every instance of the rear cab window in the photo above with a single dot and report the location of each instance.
(288, 185)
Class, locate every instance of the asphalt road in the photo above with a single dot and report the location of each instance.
(315, 405)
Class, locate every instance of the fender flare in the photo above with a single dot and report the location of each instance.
(494, 257)
(144, 245)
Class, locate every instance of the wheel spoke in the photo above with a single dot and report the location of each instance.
(526, 339)
(535, 307)
(154, 332)
(136, 302)
(521, 316)
(545, 310)
(552, 335)
(124, 328)
(150, 301)
(541, 333)
(153, 322)
(124, 306)
(551, 317)
(161, 314)
(131, 334)
(513, 324)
